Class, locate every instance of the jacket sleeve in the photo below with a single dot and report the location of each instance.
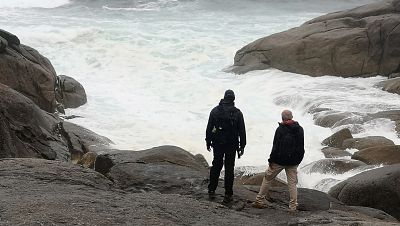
(242, 131)
(275, 146)
(210, 125)
(301, 143)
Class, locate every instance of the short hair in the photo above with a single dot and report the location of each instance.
(286, 115)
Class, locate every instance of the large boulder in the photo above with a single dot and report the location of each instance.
(167, 169)
(378, 188)
(26, 131)
(333, 166)
(366, 142)
(70, 92)
(330, 152)
(336, 140)
(391, 85)
(24, 69)
(387, 155)
(364, 41)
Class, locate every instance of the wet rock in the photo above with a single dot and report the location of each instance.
(394, 75)
(378, 188)
(366, 142)
(330, 119)
(26, 131)
(70, 92)
(24, 69)
(330, 152)
(359, 42)
(393, 115)
(333, 166)
(81, 140)
(336, 140)
(397, 128)
(391, 85)
(387, 155)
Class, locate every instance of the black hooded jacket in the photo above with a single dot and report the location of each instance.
(227, 120)
(288, 146)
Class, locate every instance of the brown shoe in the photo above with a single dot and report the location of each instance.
(258, 205)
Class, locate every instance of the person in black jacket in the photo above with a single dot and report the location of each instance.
(226, 135)
(287, 153)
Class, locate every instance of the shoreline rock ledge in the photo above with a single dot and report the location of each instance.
(360, 42)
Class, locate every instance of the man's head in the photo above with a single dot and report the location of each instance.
(229, 95)
(286, 115)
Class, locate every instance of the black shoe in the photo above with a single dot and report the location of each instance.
(227, 199)
(211, 195)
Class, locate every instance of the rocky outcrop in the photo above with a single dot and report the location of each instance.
(336, 140)
(359, 42)
(81, 140)
(24, 69)
(377, 188)
(332, 166)
(391, 85)
(165, 169)
(26, 131)
(387, 155)
(70, 92)
(366, 142)
(40, 192)
(330, 152)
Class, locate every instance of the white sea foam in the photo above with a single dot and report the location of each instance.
(32, 3)
(152, 77)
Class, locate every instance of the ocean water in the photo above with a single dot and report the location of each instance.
(153, 70)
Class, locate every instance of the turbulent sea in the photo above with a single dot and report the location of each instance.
(153, 70)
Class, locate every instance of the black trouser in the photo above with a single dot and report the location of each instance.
(220, 152)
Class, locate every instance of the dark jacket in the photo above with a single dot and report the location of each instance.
(234, 133)
(288, 146)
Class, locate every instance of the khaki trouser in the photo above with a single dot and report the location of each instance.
(270, 174)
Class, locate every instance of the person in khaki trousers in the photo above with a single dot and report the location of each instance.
(287, 153)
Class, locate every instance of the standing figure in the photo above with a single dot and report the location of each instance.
(226, 135)
(287, 153)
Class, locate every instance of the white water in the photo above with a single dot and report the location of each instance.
(153, 70)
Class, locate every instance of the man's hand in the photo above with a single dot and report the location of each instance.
(240, 152)
(208, 147)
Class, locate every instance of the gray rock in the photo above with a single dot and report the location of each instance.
(26, 131)
(394, 75)
(366, 142)
(39, 192)
(81, 140)
(393, 115)
(378, 188)
(388, 155)
(27, 71)
(359, 42)
(330, 152)
(166, 169)
(333, 166)
(11, 38)
(70, 92)
(330, 119)
(391, 85)
(336, 140)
